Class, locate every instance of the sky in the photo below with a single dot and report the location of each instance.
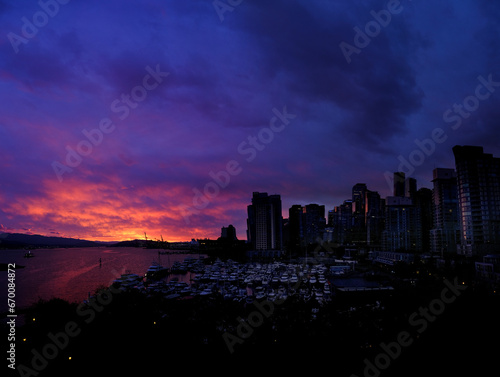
(163, 116)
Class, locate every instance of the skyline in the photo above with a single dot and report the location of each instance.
(391, 195)
(108, 132)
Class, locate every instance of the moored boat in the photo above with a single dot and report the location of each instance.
(156, 271)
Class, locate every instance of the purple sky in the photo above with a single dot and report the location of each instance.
(261, 90)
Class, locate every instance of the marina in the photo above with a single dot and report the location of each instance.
(75, 274)
(245, 282)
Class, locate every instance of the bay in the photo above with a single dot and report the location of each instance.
(71, 274)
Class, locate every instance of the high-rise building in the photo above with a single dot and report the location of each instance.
(314, 223)
(331, 218)
(341, 222)
(445, 234)
(478, 184)
(306, 224)
(422, 199)
(402, 232)
(399, 184)
(410, 187)
(265, 222)
(374, 217)
(358, 214)
(286, 233)
(228, 233)
(296, 226)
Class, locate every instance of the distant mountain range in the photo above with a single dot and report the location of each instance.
(26, 241)
(19, 241)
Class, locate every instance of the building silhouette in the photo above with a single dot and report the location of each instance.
(296, 227)
(340, 220)
(265, 222)
(461, 213)
(228, 233)
(422, 199)
(314, 223)
(399, 184)
(306, 224)
(410, 188)
(478, 185)
(445, 235)
(374, 219)
(402, 229)
(358, 214)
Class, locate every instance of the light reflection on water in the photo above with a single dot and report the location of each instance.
(71, 274)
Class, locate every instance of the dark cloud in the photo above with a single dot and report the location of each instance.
(378, 90)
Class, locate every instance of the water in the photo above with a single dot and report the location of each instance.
(71, 274)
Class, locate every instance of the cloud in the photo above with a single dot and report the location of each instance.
(353, 120)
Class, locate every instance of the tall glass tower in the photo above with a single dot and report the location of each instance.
(478, 183)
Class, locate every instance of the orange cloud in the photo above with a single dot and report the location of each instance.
(112, 211)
